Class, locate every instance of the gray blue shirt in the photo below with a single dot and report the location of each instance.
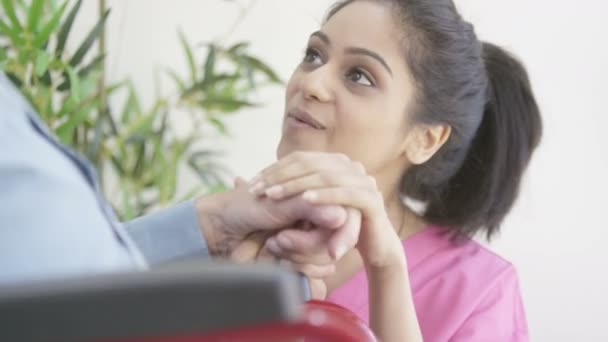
(54, 221)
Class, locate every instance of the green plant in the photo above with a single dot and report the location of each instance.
(135, 148)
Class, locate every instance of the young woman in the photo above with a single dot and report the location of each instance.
(397, 102)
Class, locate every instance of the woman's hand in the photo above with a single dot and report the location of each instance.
(325, 178)
(308, 253)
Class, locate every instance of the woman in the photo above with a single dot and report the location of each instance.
(394, 100)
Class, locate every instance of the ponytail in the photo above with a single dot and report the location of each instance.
(485, 187)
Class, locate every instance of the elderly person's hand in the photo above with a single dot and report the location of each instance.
(304, 247)
(228, 218)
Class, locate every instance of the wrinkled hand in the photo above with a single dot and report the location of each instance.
(307, 250)
(252, 250)
(227, 218)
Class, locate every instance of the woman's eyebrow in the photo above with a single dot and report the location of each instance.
(355, 50)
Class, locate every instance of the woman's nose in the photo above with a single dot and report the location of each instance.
(316, 85)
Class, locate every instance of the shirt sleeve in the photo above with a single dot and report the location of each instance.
(500, 315)
(51, 221)
(169, 234)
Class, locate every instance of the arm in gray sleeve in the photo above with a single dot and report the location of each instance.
(169, 234)
(52, 223)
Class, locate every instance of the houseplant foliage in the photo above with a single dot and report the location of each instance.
(134, 146)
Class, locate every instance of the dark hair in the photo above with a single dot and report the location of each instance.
(484, 95)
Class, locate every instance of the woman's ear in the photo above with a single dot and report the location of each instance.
(424, 141)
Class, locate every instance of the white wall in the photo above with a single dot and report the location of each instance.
(557, 232)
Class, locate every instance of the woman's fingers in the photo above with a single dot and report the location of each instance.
(327, 246)
(300, 164)
(318, 288)
(321, 179)
(347, 235)
(319, 257)
(369, 201)
(302, 241)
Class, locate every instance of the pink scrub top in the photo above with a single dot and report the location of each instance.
(462, 291)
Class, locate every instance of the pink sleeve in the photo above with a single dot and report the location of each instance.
(499, 316)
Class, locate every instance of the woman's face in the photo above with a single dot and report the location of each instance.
(351, 91)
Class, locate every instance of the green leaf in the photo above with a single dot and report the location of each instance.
(236, 48)
(209, 64)
(42, 63)
(22, 5)
(46, 78)
(3, 54)
(189, 56)
(217, 123)
(113, 87)
(262, 67)
(223, 77)
(74, 84)
(14, 79)
(12, 35)
(64, 31)
(140, 161)
(140, 128)
(202, 86)
(181, 86)
(132, 105)
(3, 57)
(33, 17)
(65, 131)
(112, 124)
(10, 12)
(50, 27)
(225, 104)
(128, 211)
(118, 165)
(89, 40)
(84, 72)
(98, 134)
(49, 102)
(96, 62)
(169, 173)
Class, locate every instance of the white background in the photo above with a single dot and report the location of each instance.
(557, 233)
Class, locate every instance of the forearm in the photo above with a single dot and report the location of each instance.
(392, 311)
(169, 234)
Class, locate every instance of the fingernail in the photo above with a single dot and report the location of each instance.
(340, 251)
(274, 192)
(257, 188)
(310, 196)
(284, 242)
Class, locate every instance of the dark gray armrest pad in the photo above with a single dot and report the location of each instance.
(183, 298)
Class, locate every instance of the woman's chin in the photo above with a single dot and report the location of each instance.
(287, 146)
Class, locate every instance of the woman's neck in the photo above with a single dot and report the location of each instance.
(403, 220)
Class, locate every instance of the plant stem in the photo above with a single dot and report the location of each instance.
(101, 85)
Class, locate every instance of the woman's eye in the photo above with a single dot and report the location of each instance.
(360, 77)
(311, 56)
